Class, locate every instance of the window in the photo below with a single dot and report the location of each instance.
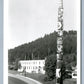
(74, 74)
(36, 67)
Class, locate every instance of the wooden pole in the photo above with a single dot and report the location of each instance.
(59, 55)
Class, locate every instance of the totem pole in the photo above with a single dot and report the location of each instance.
(59, 55)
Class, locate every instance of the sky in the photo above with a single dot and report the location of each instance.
(32, 19)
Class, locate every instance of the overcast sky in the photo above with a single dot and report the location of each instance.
(31, 19)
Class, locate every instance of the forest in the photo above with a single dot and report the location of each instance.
(46, 46)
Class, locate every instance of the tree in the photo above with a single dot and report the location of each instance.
(50, 67)
(16, 64)
(19, 65)
(63, 73)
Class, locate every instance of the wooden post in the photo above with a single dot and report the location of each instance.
(59, 55)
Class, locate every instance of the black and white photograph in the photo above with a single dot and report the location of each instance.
(42, 42)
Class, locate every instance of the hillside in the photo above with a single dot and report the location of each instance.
(46, 46)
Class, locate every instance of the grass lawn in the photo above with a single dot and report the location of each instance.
(70, 81)
(40, 78)
(13, 72)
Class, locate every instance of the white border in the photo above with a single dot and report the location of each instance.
(78, 11)
(5, 40)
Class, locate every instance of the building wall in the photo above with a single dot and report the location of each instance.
(32, 66)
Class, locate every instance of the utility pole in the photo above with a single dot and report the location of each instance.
(25, 57)
(38, 55)
(59, 55)
(24, 71)
(32, 56)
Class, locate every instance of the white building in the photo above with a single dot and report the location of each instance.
(32, 66)
(74, 73)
